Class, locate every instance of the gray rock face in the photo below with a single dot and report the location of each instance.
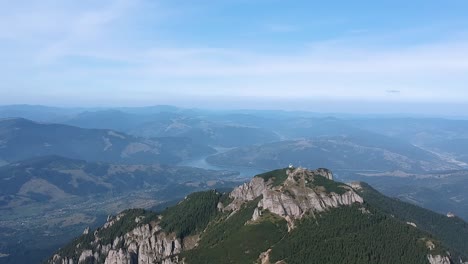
(284, 205)
(111, 220)
(438, 259)
(249, 191)
(265, 257)
(256, 214)
(151, 245)
(118, 257)
(57, 259)
(325, 173)
(294, 198)
(85, 255)
(143, 245)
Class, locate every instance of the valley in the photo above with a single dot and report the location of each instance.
(30, 232)
(54, 199)
(245, 173)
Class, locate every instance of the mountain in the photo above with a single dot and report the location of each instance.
(207, 129)
(38, 112)
(442, 192)
(342, 153)
(108, 119)
(447, 138)
(53, 177)
(283, 216)
(23, 139)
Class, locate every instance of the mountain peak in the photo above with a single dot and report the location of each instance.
(293, 193)
(291, 215)
(293, 175)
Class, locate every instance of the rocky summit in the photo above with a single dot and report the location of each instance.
(292, 215)
(301, 192)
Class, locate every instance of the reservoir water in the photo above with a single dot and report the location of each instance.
(244, 172)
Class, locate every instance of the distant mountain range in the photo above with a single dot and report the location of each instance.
(342, 153)
(449, 138)
(443, 192)
(181, 124)
(444, 137)
(23, 139)
(283, 216)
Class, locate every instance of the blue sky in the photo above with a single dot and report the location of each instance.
(236, 53)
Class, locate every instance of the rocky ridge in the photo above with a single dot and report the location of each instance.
(295, 197)
(143, 244)
(290, 194)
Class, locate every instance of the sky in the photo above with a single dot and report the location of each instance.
(360, 56)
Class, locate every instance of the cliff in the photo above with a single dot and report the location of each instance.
(301, 192)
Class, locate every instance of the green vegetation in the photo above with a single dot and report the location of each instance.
(277, 176)
(453, 232)
(191, 215)
(329, 185)
(74, 249)
(225, 199)
(223, 227)
(346, 235)
(231, 240)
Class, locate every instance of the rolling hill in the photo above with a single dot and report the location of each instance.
(207, 129)
(446, 137)
(341, 153)
(23, 139)
(54, 177)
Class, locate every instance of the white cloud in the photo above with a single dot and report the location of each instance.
(438, 59)
(85, 31)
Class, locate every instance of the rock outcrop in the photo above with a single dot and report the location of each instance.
(249, 191)
(144, 244)
(295, 197)
(438, 259)
(57, 259)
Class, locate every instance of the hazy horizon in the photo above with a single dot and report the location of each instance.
(334, 109)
